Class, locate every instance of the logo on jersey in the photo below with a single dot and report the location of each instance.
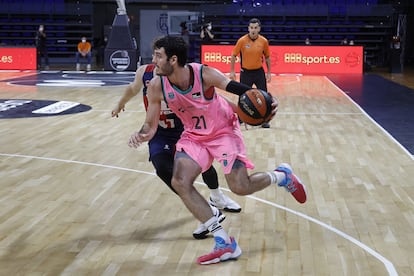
(170, 95)
(196, 95)
(225, 161)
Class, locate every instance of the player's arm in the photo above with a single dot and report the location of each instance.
(213, 77)
(130, 91)
(149, 128)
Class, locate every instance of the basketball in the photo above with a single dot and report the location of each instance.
(254, 107)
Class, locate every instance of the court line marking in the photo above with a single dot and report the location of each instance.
(371, 119)
(388, 264)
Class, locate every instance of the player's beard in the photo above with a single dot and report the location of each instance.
(164, 70)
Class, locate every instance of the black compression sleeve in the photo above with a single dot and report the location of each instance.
(237, 87)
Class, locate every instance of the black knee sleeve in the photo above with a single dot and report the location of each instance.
(163, 164)
(210, 178)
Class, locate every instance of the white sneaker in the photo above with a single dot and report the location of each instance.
(225, 203)
(202, 231)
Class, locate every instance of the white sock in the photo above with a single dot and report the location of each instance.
(276, 177)
(214, 226)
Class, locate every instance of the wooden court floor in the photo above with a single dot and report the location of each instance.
(76, 200)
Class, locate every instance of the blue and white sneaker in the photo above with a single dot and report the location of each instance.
(292, 183)
(222, 252)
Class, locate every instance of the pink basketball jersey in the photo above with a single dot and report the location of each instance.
(203, 118)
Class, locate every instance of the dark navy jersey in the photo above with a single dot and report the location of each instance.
(170, 126)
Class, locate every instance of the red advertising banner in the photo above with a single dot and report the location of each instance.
(294, 59)
(17, 58)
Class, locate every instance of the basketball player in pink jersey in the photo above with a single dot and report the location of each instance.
(211, 131)
(162, 148)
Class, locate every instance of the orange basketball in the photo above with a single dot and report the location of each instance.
(254, 107)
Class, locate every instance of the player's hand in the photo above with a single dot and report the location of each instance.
(117, 110)
(139, 137)
(232, 76)
(275, 105)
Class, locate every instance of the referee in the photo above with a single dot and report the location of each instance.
(252, 47)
